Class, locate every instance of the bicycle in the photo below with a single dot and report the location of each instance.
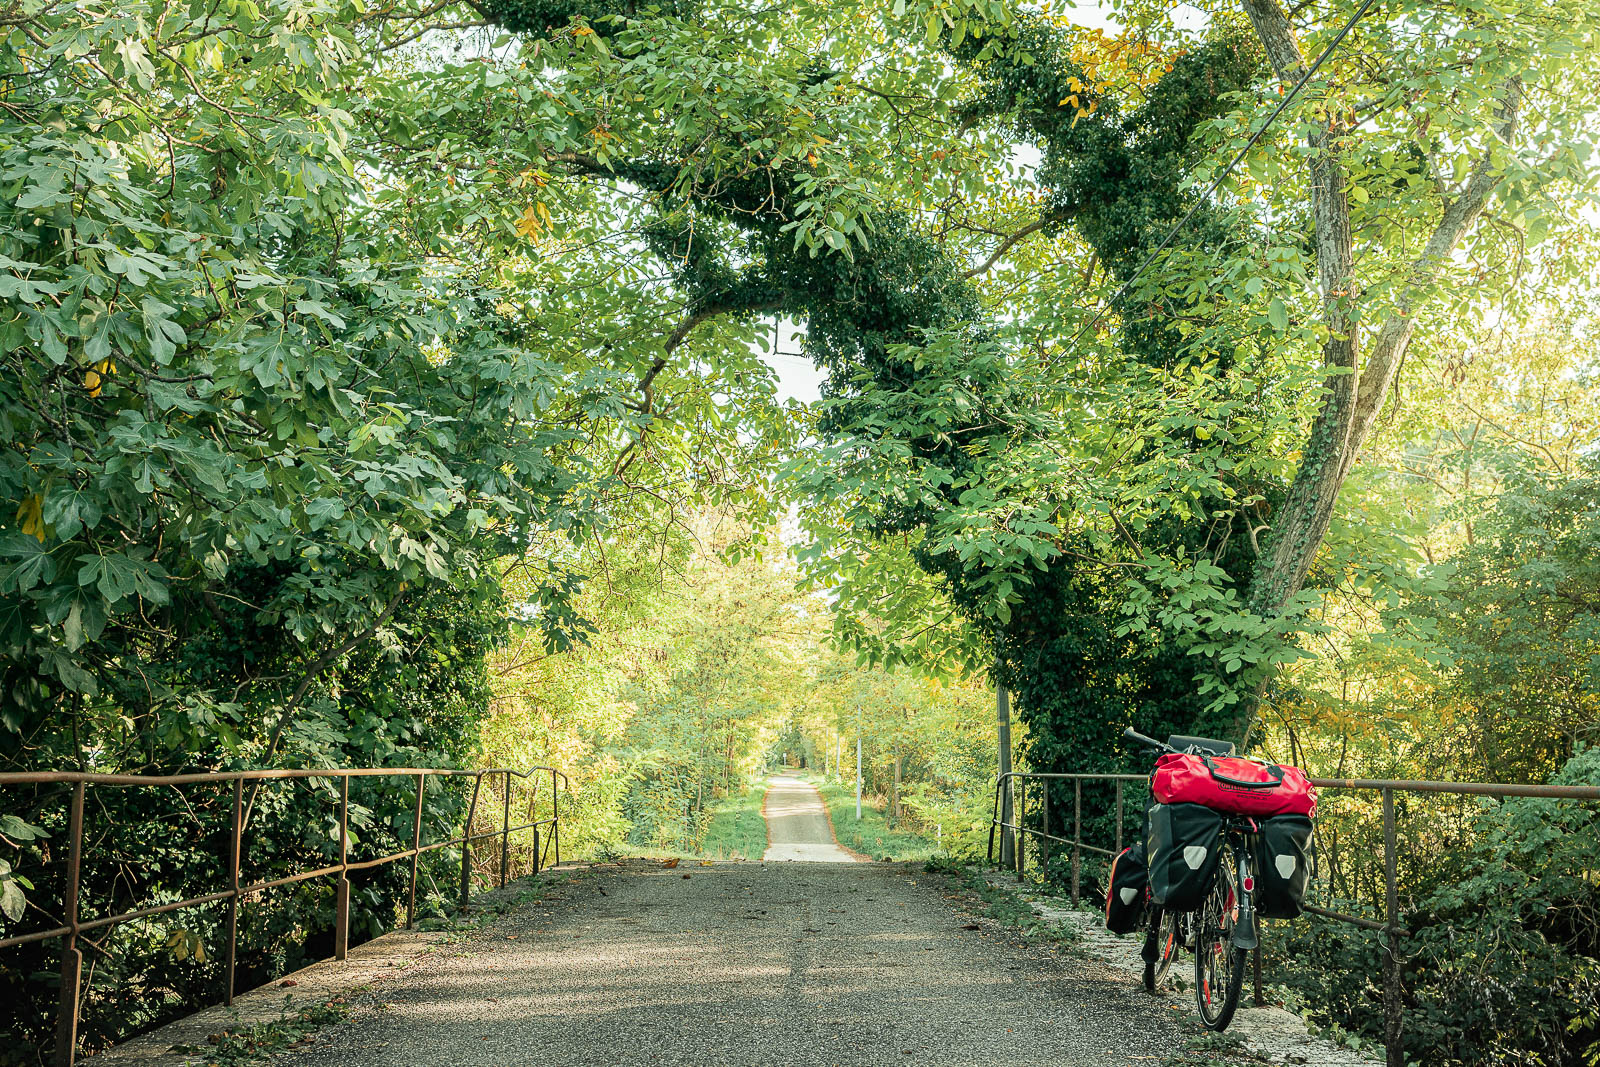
(1222, 932)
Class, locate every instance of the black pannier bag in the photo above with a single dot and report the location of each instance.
(1184, 844)
(1127, 890)
(1282, 865)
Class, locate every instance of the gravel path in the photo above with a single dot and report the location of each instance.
(797, 824)
(799, 964)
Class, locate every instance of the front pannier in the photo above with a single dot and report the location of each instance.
(1282, 865)
(1127, 890)
(1184, 844)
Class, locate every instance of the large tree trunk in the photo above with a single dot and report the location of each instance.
(1354, 393)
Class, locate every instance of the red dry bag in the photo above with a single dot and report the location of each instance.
(1232, 784)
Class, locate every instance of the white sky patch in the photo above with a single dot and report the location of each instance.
(798, 378)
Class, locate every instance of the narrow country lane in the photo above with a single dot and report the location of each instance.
(748, 965)
(797, 824)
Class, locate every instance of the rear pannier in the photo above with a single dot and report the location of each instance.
(1282, 865)
(1184, 844)
(1127, 890)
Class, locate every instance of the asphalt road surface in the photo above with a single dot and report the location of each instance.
(797, 824)
(747, 964)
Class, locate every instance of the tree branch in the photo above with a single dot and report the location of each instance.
(1395, 334)
(1005, 246)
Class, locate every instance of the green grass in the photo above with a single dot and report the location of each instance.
(737, 829)
(872, 835)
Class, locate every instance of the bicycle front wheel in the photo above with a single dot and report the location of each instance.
(1218, 965)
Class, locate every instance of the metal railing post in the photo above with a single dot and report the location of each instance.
(234, 860)
(994, 824)
(1119, 817)
(555, 815)
(341, 911)
(1044, 841)
(416, 851)
(1077, 837)
(505, 834)
(466, 842)
(1020, 814)
(1393, 1006)
(71, 955)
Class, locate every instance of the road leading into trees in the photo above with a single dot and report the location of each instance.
(748, 965)
(797, 824)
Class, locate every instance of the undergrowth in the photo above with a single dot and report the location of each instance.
(737, 830)
(872, 836)
(259, 1042)
(1001, 903)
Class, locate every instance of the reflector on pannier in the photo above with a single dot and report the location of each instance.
(1184, 847)
(1127, 890)
(1282, 865)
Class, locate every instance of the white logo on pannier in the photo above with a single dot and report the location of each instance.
(1128, 894)
(1194, 856)
(1285, 865)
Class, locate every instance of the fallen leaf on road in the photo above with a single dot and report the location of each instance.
(686, 876)
(972, 926)
(669, 864)
(287, 982)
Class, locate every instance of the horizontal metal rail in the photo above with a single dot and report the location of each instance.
(72, 926)
(1015, 784)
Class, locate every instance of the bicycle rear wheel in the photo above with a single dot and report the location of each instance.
(1218, 965)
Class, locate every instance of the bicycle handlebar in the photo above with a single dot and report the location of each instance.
(1130, 734)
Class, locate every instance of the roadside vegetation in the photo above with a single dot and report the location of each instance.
(872, 836)
(737, 830)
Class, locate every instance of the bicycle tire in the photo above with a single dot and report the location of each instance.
(1171, 941)
(1218, 966)
(1153, 923)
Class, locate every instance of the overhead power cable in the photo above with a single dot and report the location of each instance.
(1251, 143)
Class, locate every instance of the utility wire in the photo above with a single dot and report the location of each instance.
(1254, 138)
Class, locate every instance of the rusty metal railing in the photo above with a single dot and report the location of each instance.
(1393, 993)
(72, 926)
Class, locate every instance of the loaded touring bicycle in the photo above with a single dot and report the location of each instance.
(1226, 843)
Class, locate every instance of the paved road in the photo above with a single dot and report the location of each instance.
(797, 824)
(749, 965)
